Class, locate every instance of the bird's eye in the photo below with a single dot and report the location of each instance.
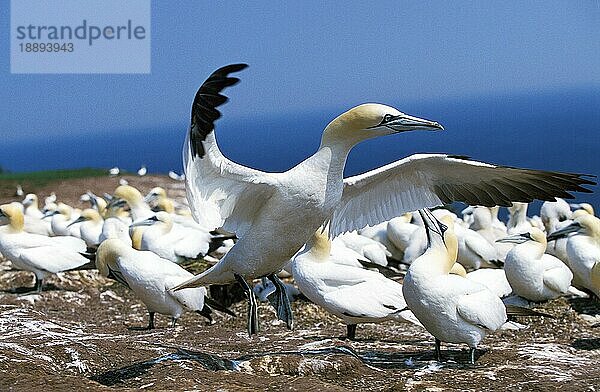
(387, 118)
(443, 228)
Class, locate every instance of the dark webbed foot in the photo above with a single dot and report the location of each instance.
(438, 350)
(148, 327)
(253, 326)
(280, 301)
(351, 331)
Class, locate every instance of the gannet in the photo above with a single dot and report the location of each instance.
(36, 253)
(174, 243)
(452, 308)
(19, 192)
(533, 274)
(151, 277)
(482, 224)
(274, 214)
(368, 248)
(583, 250)
(379, 233)
(90, 227)
(400, 229)
(49, 200)
(114, 171)
(30, 203)
(517, 219)
(587, 207)
(492, 278)
(175, 176)
(126, 194)
(142, 171)
(474, 251)
(355, 295)
(496, 222)
(61, 221)
(554, 212)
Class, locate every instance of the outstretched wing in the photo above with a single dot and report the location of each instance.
(221, 193)
(428, 180)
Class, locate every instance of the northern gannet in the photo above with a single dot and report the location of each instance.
(533, 274)
(452, 308)
(31, 205)
(355, 295)
(114, 171)
(274, 214)
(142, 171)
(19, 192)
(587, 207)
(400, 229)
(379, 233)
(174, 243)
(90, 227)
(36, 253)
(61, 220)
(517, 219)
(128, 195)
(370, 249)
(474, 251)
(492, 278)
(151, 278)
(175, 176)
(583, 250)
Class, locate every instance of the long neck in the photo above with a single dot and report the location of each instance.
(17, 223)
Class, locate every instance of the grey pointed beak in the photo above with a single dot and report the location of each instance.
(564, 232)
(78, 220)
(515, 239)
(115, 203)
(150, 198)
(405, 122)
(48, 214)
(146, 222)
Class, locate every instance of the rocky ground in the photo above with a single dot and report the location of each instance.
(78, 335)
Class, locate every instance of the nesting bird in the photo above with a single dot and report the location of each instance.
(452, 308)
(151, 278)
(583, 250)
(39, 254)
(533, 274)
(355, 295)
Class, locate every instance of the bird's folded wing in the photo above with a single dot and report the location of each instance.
(557, 276)
(221, 193)
(482, 308)
(478, 245)
(52, 258)
(367, 299)
(428, 180)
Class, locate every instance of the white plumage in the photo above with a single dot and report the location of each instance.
(355, 295)
(452, 308)
(274, 214)
(533, 274)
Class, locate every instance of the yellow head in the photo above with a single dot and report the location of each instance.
(371, 120)
(12, 214)
(128, 193)
(107, 254)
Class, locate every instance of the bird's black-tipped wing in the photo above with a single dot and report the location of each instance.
(428, 180)
(206, 101)
(221, 193)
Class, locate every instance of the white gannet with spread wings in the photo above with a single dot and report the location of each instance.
(274, 214)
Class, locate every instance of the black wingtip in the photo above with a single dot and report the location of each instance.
(206, 101)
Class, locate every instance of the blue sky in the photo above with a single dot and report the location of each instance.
(316, 56)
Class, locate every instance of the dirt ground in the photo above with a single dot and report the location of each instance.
(77, 335)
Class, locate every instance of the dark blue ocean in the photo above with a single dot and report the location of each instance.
(551, 131)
